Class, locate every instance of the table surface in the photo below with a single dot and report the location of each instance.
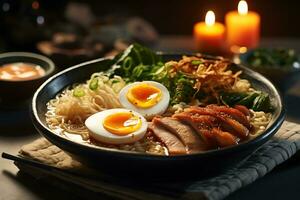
(281, 183)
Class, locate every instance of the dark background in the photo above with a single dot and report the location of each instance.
(280, 18)
(20, 31)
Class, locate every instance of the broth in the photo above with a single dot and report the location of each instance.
(20, 71)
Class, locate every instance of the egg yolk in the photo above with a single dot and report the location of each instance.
(122, 123)
(144, 95)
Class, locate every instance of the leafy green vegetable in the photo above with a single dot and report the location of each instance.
(78, 92)
(262, 103)
(183, 90)
(257, 101)
(232, 98)
(248, 100)
(93, 84)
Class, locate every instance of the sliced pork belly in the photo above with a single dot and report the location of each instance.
(243, 109)
(173, 144)
(223, 138)
(205, 126)
(235, 127)
(202, 127)
(186, 134)
(229, 124)
(206, 121)
(232, 112)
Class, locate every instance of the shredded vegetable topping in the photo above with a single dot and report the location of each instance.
(209, 76)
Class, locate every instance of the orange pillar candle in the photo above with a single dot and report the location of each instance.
(243, 28)
(209, 35)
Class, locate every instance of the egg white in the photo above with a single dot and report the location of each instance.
(94, 123)
(148, 113)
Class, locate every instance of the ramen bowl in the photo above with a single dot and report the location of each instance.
(132, 164)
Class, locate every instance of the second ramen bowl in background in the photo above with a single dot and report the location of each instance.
(21, 74)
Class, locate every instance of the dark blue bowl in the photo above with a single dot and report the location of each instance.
(124, 163)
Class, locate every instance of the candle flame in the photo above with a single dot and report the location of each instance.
(243, 7)
(210, 18)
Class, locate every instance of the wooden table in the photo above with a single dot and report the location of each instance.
(282, 183)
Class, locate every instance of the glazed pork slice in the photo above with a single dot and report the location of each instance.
(173, 144)
(228, 123)
(235, 127)
(186, 134)
(223, 138)
(243, 109)
(233, 113)
(206, 126)
(202, 125)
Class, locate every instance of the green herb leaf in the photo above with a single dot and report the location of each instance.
(262, 103)
(231, 98)
(257, 101)
(248, 100)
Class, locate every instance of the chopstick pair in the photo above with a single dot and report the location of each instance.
(84, 185)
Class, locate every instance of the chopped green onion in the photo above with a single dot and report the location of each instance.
(127, 64)
(93, 84)
(196, 62)
(115, 81)
(78, 92)
(137, 71)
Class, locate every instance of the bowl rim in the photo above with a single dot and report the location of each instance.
(47, 60)
(44, 130)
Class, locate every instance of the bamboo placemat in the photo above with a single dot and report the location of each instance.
(280, 148)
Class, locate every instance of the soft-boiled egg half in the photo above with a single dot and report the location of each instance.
(148, 98)
(116, 126)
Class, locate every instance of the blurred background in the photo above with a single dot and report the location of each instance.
(82, 30)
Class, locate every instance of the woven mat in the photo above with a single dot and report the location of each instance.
(280, 148)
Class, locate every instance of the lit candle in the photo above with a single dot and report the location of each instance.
(243, 28)
(209, 35)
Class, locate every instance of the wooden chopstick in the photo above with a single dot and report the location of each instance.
(27, 161)
(23, 160)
